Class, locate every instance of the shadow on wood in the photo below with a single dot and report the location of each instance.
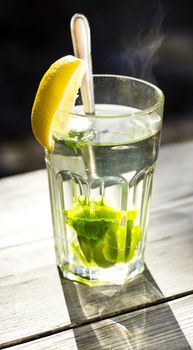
(121, 326)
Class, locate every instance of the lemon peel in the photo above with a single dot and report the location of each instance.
(57, 90)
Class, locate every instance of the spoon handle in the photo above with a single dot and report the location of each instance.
(80, 32)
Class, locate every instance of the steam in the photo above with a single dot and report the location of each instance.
(138, 52)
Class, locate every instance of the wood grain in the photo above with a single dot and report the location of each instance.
(39, 302)
(183, 311)
(171, 225)
(173, 177)
(147, 329)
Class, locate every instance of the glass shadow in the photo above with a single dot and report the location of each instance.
(94, 303)
(106, 317)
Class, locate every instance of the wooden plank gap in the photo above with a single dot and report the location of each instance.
(96, 319)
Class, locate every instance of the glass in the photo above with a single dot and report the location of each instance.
(100, 178)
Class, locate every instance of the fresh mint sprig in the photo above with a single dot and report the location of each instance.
(102, 237)
(77, 139)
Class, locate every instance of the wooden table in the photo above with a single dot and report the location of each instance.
(154, 311)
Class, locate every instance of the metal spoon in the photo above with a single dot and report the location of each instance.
(80, 32)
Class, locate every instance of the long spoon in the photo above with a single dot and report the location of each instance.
(80, 32)
(81, 40)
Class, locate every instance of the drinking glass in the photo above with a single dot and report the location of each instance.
(100, 179)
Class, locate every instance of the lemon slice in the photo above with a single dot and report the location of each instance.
(57, 90)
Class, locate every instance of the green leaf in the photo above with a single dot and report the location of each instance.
(77, 251)
(102, 235)
(77, 139)
(128, 238)
(91, 229)
(91, 219)
(135, 240)
(99, 258)
(131, 214)
(121, 239)
(111, 244)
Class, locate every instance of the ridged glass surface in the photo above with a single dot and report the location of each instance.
(100, 196)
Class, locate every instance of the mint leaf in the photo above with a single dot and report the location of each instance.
(77, 139)
(86, 247)
(135, 234)
(128, 238)
(78, 252)
(94, 229)
(91, 219)
(110, 249)
(102, 234)
(99, 258)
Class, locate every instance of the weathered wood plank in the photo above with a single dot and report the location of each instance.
(173, 177)
(170, 236)
(183, 311)
(152, 328)
(38, 302)
(169, 252)
(33, 304)
(25, 210)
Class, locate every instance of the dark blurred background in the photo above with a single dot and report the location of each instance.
(147, 39)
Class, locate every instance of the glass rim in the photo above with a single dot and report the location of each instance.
(143, 112)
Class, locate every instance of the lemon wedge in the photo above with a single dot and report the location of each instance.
(57, 90)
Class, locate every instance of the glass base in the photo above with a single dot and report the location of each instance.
(117, 274)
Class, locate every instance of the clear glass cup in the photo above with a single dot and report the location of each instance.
(100, 178)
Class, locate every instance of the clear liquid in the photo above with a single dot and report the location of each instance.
(100, 185)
